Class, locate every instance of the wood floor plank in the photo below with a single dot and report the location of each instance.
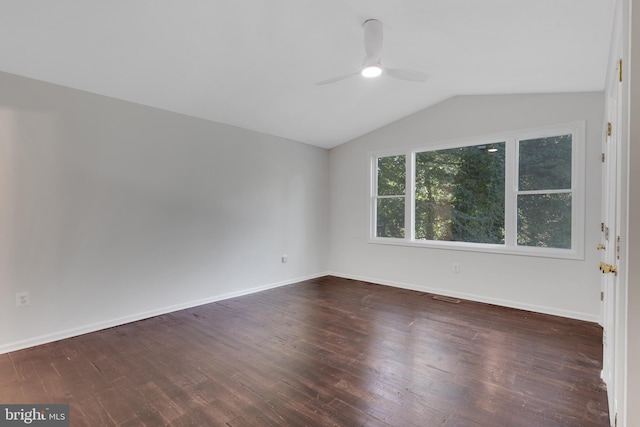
(326, 351)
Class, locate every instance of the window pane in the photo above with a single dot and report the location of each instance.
(391, 176)
(390, 221)
(544, 220)
(460, 194)
(545, 163)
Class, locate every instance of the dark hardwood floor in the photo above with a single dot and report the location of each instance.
(323, 352)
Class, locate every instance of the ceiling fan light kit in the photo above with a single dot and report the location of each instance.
(372, 66)
(371, 71)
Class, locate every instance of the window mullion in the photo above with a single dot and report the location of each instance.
(510, 192)
(410, 198)
(536, 192)
(374, 197)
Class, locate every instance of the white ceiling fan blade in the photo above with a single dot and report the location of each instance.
(408, 75)
(372, 39)
(337, 79)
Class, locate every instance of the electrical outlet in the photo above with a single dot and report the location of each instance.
(22, 299)
(285, 258)
(455, 267)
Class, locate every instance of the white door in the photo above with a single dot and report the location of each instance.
(609, 242)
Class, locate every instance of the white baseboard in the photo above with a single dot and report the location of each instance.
(477, 298)
(85, 329)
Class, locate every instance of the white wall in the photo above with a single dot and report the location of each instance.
(112, 211)
(565, 287)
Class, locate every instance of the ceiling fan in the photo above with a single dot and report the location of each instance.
(371, 66)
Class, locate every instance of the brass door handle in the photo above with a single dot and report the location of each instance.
(608, 268)
(601, 246)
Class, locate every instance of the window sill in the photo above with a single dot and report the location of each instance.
(483, 247)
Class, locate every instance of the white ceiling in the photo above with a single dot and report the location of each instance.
(254, 63)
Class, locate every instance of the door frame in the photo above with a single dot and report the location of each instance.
(614, 310)
(610, 235)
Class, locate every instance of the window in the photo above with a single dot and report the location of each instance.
(459, 194)
(390, 196)
(517, 193)
(544, 192)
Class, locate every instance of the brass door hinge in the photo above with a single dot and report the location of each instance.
(620, 70)
(602, 157)
(609, 129)
(601, 296)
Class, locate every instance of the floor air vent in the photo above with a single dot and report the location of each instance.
(446, 299)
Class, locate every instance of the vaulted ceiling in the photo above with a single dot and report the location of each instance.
(255, 63)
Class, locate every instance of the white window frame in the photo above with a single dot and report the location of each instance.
(375, 197)
(511, 140)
